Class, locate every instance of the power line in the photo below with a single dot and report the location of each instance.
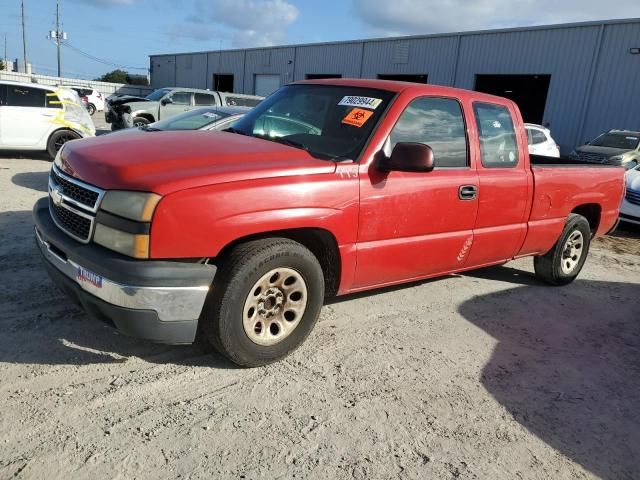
(101, 60)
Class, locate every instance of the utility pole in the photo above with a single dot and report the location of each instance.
(57, 35)
(24, 39)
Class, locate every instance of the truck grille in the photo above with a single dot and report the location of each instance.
(593, 157)
(78, 226)
(633, 197)
(87, 197)
(73, 205)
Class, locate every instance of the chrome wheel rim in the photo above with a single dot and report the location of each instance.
(274, 306)
(572, 252)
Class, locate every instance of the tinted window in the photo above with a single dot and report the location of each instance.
(157, 94)
(538, 137)
(529, 138)
(18, 96)
(53, 101)
(204, 99)
(436, 122)
(181, 98)
(498, 145)
(242, 101)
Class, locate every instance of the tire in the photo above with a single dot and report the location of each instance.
(91, 108)
(140, 122)
(57, 139)
(245, 304)
(562, 264)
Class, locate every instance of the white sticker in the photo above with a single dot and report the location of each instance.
(632, 138)
(496, 124)
(209, 115)
(366, 102)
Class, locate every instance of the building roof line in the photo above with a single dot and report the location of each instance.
(556, 26)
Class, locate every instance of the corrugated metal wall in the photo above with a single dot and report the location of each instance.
(595, 81)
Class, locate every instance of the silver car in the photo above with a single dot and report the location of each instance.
(615, 147)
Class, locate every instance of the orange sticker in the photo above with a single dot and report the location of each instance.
(357, 117)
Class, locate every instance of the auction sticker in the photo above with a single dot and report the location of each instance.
(366, 102)
(357, 117)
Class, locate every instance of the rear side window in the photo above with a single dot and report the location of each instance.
(18, 96)
(436, 122)
(204, 99)
(498, 145)
(242, 101)
(53, 101)
(538, 137)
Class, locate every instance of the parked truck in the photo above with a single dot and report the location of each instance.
(327, 187)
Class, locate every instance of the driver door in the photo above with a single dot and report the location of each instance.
(416, 224)
(174, 103)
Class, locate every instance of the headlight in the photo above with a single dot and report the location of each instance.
(130, 244)
(137, 206)
(617, 159)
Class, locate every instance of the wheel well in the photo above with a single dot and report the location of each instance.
(63, 129)
(320, 242)
(148, 116)
(592, 212)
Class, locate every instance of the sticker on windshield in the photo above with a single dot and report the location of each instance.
(209, 115)
(357, 117)
(632, 138)
(366, 102)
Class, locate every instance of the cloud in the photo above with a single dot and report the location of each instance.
(402, 17)
(248, 23)
(107, 3)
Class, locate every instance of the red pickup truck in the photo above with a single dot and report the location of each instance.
(325, 188)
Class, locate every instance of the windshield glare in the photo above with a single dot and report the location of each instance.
(192, 120)
(616, 140)
(157, 94)
(329, 121)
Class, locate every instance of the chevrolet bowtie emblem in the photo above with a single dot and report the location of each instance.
(56, 196)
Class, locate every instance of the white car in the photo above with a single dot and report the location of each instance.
(540, 141)
(41, 117)
(630, 208)
(95, 100)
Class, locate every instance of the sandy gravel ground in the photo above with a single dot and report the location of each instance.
(488, 375)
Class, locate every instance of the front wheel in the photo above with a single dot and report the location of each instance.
(562, 264)
(265, 301)
(58, 139)
(140, 122)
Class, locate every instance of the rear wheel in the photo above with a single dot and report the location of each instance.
(58, 139)
(265, 301)
(91, 109)
(562, 264)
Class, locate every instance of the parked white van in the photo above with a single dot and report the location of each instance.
(41, 117)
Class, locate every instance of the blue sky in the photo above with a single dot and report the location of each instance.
(125, 32)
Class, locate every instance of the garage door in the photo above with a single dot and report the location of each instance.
(266, 84)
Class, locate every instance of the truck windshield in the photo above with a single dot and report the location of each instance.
(157, 94)
(616, 140)
(329, 121)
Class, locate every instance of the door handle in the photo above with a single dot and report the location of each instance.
(467, 192)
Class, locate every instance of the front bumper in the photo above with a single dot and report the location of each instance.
(155, 300)
(630, 212)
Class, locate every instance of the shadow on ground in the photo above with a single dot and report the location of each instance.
(33, 180)
(27, 154)
(567, 365)
(40, 325)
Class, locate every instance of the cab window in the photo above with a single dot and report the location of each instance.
(497, 135)
(436, 122)
(181, 98)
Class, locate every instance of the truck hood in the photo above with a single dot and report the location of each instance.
(126, 99)
(168, 161)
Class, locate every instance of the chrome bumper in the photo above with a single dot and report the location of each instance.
(170, 303)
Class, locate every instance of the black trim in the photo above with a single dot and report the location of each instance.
(143, 324)
(122, 224)
(629, 217)
(117, 267)
(541, 160)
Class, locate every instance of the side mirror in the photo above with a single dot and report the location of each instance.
(408, 157)
(166, 101)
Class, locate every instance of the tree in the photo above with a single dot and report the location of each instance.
(116, 76)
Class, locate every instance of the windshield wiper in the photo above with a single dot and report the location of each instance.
(293, 143)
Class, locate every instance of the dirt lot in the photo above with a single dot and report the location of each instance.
(488, 375)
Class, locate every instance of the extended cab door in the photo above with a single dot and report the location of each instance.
(413, 225)
(505, 184)
(174, 103)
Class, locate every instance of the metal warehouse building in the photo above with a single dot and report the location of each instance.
(580, 79)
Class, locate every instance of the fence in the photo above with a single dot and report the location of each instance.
(103, 87)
